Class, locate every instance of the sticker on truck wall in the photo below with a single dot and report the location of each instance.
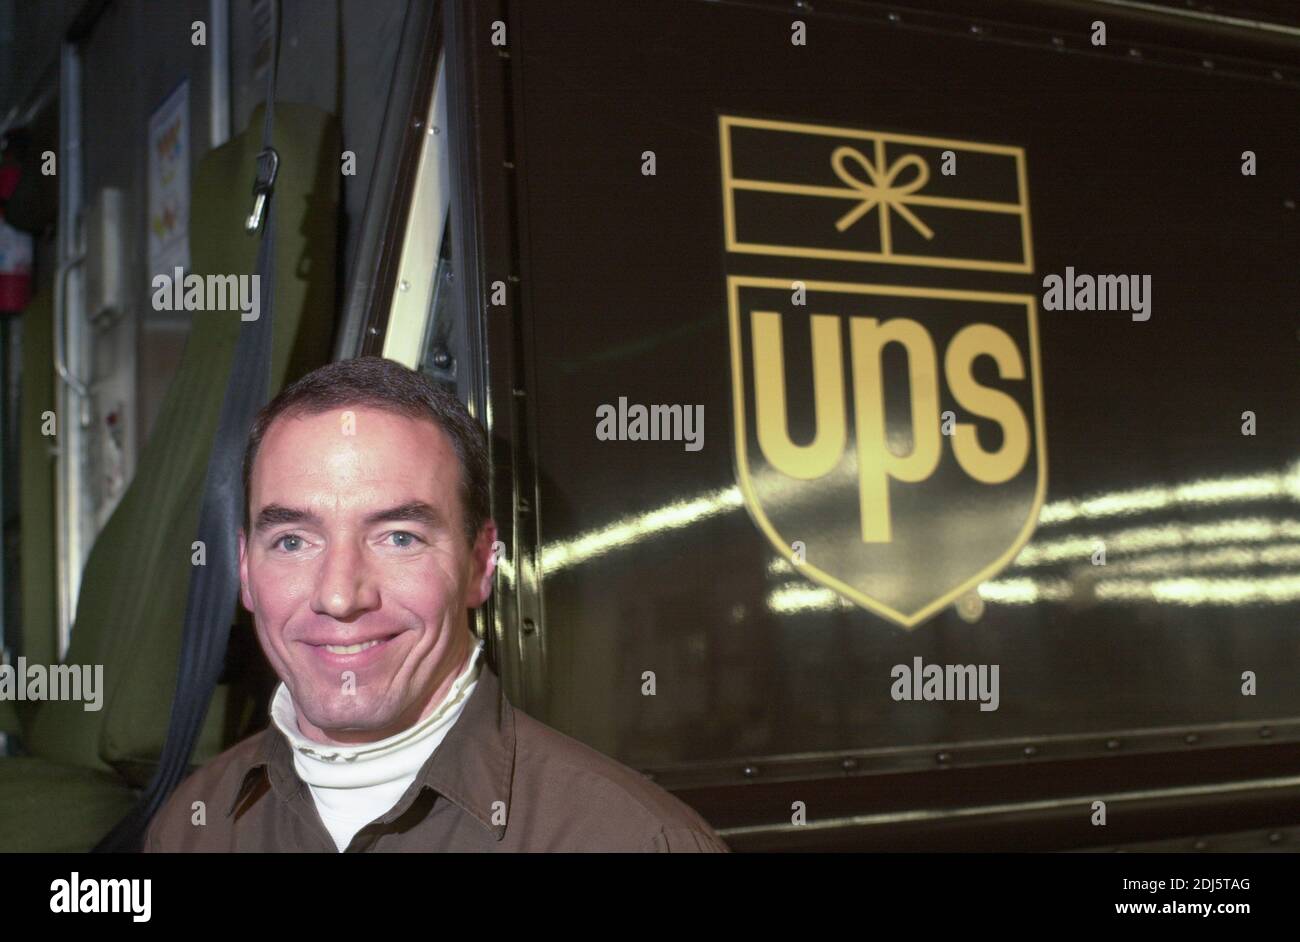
(888, 437)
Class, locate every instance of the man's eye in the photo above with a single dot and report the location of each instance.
(403, 539)
(290, 542)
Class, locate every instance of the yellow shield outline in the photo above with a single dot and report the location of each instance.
(755, 508)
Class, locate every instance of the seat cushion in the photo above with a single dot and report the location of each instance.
(50, 807)
(131, 604)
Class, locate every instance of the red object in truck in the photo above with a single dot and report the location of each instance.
(15, 268)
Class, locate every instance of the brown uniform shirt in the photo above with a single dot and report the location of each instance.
(499, 781)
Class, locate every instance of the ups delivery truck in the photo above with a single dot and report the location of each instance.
(895, 409)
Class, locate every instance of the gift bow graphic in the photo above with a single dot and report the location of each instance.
(881, 188)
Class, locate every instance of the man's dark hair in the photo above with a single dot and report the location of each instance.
(376, 383)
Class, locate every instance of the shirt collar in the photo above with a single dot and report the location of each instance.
(339, 762)
(473, 767)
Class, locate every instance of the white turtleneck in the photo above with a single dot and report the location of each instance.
(354, 785)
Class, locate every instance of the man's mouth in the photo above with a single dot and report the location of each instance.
(349, 648)
(356, 649)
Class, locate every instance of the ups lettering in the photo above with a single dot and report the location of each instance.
(878, 464)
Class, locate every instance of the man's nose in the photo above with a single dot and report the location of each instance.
(345, 583)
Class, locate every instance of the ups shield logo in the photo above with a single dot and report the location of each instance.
(888, 437)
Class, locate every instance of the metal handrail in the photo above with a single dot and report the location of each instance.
(60, 323)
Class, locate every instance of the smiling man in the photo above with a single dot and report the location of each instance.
(367, 540)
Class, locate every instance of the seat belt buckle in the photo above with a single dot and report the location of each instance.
(268, 164)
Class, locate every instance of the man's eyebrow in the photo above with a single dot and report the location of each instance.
(275, 514)
(414, 511)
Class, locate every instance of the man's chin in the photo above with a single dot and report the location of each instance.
(343, 717)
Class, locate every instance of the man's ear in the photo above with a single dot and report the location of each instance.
(483, 565)
(243, 571)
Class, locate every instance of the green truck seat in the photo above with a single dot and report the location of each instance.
(52, 807)
(84, 767)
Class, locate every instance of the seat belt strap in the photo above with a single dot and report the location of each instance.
(214, 588)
